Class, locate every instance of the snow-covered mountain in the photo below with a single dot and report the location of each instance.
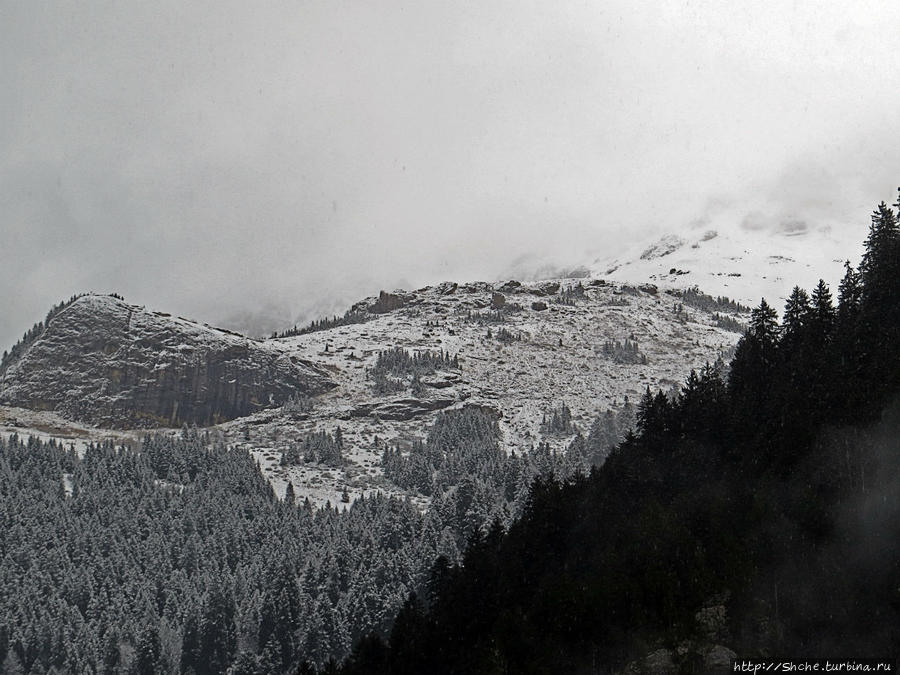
(744, 262)
(522, 350)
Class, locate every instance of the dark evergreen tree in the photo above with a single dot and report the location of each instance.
(112, 655)
(147, 652)
(823, 313)
(217, 632)
(879, 262)
(755, 359)
(796, 316)
(190, 645)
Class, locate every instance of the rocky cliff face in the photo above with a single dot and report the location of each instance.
(106, 362)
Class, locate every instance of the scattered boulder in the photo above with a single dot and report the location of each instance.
(498, 300)
(650, 289)
(547, 288)
(440, 381)
(511, 286)
(539, 306)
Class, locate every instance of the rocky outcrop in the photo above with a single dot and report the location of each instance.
(665, 246)
(388, 302)
(546, 288)
(103, 361)
(511, 286)
(401, 408)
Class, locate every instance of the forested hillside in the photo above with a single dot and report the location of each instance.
(179, 558)
(176, 556)
(755, 515)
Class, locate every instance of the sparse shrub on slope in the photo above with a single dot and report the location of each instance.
(625, 352)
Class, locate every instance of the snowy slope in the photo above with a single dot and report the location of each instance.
(558, 360)
(740, 262)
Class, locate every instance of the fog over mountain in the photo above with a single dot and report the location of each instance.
(256, 165)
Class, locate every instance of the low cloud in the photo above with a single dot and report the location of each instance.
(228, 162)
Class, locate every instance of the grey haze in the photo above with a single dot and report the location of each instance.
(260, 163)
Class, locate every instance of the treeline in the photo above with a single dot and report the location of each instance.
(754, 515)
(398, 361)
(694, 297)
(729, 323)
(571, 295)
(176, 557)
(504, 335)
(492, 316)
(461, 444)
(558, 421)
(463, 466)
(349, 317)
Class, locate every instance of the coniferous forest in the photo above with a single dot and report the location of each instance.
(177, 557)
(758, 510)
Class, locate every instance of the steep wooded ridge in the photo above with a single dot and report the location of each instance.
(103, 361)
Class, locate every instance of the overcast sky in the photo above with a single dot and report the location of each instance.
(214, 158)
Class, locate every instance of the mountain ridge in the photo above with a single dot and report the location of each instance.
(524, 350)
